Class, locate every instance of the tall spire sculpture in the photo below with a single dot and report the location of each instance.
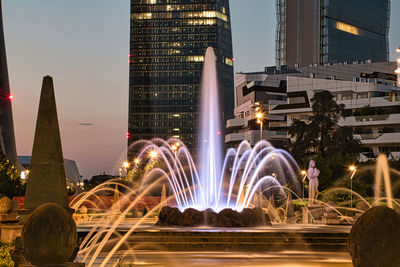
(47, 181)
(7, 138)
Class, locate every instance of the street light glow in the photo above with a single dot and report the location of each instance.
(153, 154)
(259, 116)
(398, 50)
(352, 168)
(303, 172)
(137, 161)
(125, 164)
(174, 148)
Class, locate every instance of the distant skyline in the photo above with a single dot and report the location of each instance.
(84, 46)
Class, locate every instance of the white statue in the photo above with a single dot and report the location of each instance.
(312, 175)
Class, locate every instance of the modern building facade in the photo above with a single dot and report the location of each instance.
(368, 91)
(326, 31)
(258, 91)
(7, 138)
(168, 43)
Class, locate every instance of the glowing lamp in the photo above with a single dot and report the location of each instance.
(352, 168)
(153, 154)
(174, 148)
(303, 172)
(137, 161)
(11, 97)
(125, 164)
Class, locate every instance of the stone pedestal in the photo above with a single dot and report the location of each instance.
(9, 231)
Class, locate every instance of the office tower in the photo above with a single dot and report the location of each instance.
(323, 31)
(7, 138)
(168, 43)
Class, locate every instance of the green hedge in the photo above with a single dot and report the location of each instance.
(5, 256)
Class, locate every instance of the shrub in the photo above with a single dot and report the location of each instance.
(5, 256)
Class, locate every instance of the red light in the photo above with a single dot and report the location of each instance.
(128, 135)
(233, 59)
(130, 55)
(219, 132)
(129, 61)
(11, 97)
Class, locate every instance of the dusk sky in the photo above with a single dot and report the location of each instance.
(84, 46)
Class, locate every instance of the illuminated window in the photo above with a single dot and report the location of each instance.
(229, 61)
(347, 28)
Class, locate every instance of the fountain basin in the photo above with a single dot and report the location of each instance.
(262, 239)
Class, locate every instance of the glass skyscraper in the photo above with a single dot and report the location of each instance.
(168, 42)
(331, 31)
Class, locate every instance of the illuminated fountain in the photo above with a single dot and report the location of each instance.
(216, 183)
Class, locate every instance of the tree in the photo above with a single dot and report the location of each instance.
(322, 135)
(10, 180)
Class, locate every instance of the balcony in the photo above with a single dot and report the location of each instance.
(235, 123)
(379, 138)
(234, 137)
(371, 120)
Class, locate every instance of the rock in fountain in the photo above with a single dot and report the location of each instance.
(225, 218)
(47, 181)
(375, 238)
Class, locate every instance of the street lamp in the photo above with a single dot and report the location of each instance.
(353, 170)
(260, 118)
(304, 173)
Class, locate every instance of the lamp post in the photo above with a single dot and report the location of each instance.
(353, 170)
(304, 173)
(260, 118)
(398, 68)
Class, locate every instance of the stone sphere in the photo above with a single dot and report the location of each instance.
(375, 238)
(49, 235)
(5, 205)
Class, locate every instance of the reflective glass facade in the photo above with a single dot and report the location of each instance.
(355, 30)
(331, 31)
(168, 42)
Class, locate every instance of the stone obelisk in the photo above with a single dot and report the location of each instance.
(7, 138)
(47, 181)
